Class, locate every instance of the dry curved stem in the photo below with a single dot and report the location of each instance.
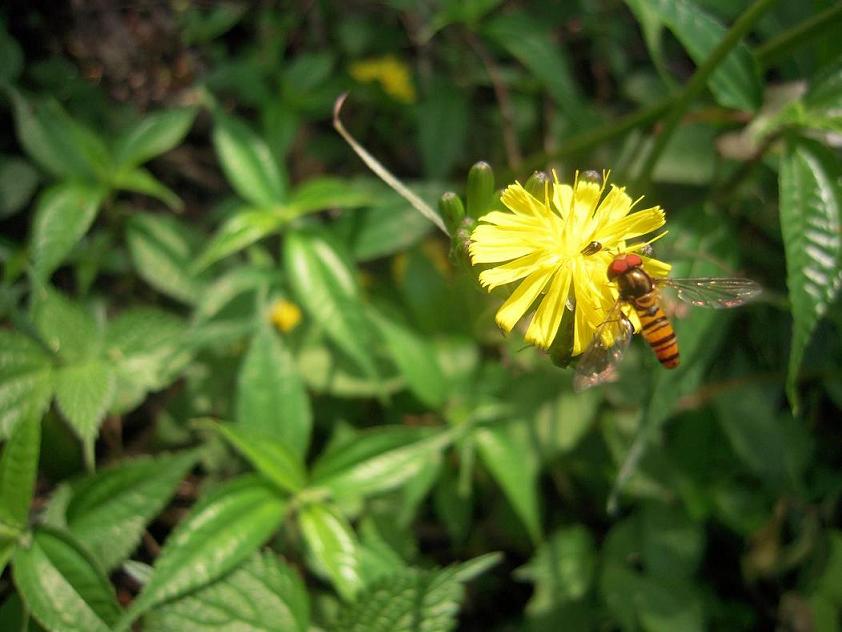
(384, 174)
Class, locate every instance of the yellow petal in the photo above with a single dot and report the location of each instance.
(519, 200)
(513, 270)
(585, 199)
(631, 226)
(614, 206)
(562, 198)
(655, 267)
(521, 299)
(544, 326)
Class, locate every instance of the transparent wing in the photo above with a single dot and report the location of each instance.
(716, 292)
(598, 362)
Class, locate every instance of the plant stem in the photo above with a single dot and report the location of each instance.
(698, 83)
(802, 32)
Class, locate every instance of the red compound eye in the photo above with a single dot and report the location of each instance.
(633, 260)
(617, 267)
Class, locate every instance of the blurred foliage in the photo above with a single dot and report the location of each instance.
(244, 385)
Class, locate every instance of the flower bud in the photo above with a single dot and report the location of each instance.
(480, 191)
(536, 184)
(451, 209)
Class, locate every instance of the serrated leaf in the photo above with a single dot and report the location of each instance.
(139, 180)
(262, 595)
(109, 511)
(333, 545)
(415, 358)
(26, 381)
(810, 199)
(62, 587)
(512, 462)
(377, 460)
(18, 180)
(84, 393)
(154, 134)
(147, 350)
(162, 256)
(18, 471)
(247, 162)
(267, 455)
(67, 327)
(220, 532)
(63, 215)
(736, 82)
(58, 143)
(529, 41)
(324, 284)
(271, 398)
(245, 227)
(410, 601)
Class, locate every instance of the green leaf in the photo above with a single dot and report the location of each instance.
(56, 142)
(63, 215)
(810, 200)
(247, 162)
(415, 358)
(245, 227)
(162, 256)
(67, 327)
(736, 82)
(26, 381)
(271, 398)
(377, 460)
(324, 284)
(672, 543)
(154, 134)
(442, 128)
(409, 601)
(108, 512)
(18, 472)
(84, 392)
(18, 180)
(221, 531)
(529, 41)
(11, 58)
(267, 455)
(146, 348)
(262, 595)
(562, 569)
(139, 180)
(506, 453)
(318, 194)
(333, 545)
(62, 587)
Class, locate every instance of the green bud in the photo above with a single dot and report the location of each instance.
(561, 351)
(451, 209)
(536, 184)
(480, 191)
(460, 241)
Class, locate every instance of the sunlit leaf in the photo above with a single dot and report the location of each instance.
(84, 393)
(26, 381)
(333, 545)
(18, 471)
(139, 180)
(154, 134)
(244, 228)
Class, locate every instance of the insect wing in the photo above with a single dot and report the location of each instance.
(598, 362)
(716, 292)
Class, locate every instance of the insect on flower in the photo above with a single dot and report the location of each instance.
(640, 292)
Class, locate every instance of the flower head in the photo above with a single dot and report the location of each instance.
(391, 73)
(559, 248)
(285, 315)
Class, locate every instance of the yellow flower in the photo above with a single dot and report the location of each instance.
(392, 74)
(285, 315)
(545, 243)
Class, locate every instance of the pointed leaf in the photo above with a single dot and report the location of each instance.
(109, 511)
(271, 398)
(162, 256)
(67, 327)
(262, 595)
(267, 455)
(18, 180)
(811, 197)
(318, 194)
(26, 381)
(245, 227)
(18, 471)
(84, 393)
(508, 457)
(324, 284)
(139, 180)
(220, 532)
(247, 162)
(63, 215)
(333, 545)
(154, 134)
(62, 587)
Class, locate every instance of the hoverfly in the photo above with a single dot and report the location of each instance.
(640, 291)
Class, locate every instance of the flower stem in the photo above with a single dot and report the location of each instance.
(697, 84)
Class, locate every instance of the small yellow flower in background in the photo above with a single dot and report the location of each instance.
(391, 73)
(550, 245)
(285, 315)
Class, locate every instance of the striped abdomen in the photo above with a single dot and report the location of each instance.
(657, 329)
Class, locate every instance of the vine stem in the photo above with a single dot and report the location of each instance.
(697, 84)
